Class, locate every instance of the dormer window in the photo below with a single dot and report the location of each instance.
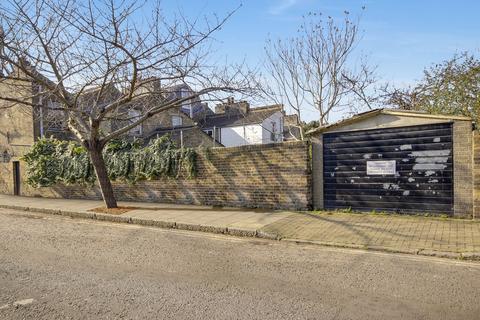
(177, 121)
(187, 104)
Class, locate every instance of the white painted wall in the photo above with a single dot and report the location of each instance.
(241, 135)
(254, 133)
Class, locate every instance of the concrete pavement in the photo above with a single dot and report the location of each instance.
(246, 222)
(53, 267)
(442, 237)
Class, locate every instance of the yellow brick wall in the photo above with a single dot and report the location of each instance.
(257, 176)
(476, 175)
(16, 121)
(462, 169)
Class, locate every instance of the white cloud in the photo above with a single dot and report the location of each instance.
(281, 6)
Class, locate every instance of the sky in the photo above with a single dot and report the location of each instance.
(399, 37)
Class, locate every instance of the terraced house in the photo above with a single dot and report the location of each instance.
(236, 123)
(191, 124)
(22, 125)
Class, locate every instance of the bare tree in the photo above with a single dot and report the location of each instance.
(315, 70)
(95, 60)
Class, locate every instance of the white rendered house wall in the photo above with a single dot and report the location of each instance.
(241, 135)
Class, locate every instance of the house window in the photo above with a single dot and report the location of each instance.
(184, 93)
(217, 133)
(133, 116)
(53, 118)
(6, 156)
(187, 104)
(273, 133)
(176, 121)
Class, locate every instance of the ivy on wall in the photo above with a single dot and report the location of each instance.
(50, 161)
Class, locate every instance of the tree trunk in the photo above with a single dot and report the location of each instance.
(102, 176)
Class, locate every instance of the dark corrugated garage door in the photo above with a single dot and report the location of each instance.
(407, 169)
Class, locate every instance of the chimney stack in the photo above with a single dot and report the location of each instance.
(230, 106)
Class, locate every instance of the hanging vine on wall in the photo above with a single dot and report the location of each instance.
(50, 161)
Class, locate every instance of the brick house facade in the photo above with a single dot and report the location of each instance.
(22, 125)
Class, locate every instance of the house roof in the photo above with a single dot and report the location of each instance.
(291, 119)
(163, 130)
(233, 119)
(15, 73)
(92, 92)
(395, 112)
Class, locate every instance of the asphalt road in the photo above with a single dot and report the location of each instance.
(60, 268)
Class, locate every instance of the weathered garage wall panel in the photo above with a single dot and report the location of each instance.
(423, 178)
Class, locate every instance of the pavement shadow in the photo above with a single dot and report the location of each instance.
(356, 230)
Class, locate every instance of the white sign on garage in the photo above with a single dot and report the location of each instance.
(385, 167)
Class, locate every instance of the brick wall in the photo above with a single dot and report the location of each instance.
(258, 176)
(462, 169)
(16, 121)
(476, 175)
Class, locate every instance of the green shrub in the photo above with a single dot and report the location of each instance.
(50, 161)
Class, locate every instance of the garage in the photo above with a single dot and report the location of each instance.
(394, 161)
(399, 169)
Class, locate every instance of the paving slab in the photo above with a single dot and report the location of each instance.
(425, 235)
